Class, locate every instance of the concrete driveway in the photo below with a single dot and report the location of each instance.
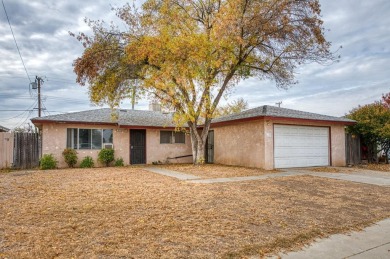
(355, 175)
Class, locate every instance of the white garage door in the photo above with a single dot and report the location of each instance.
(300, 146)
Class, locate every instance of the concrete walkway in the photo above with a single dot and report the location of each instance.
(374, 178)
(372, 242)
(171, 173)
(369, 179)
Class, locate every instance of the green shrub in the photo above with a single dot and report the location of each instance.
(87, 162)
(47, 162)
(106, 156)
(119, 162)
(70, 156)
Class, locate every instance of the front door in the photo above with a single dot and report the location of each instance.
(210, 147)
(137, 147)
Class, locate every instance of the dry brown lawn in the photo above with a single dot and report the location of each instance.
(216, 171)
(377, 167)
(131, 213)
(328, 170)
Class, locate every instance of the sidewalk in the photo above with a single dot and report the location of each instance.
(372, 242)
(375, 179)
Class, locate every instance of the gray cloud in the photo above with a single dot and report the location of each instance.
(41, 29)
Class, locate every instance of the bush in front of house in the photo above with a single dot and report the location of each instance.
(47, 161)
(70, 156)
(87, 162)
(106, 156)
(119, 162)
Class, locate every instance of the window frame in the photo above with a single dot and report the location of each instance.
(74, 134)
(172, 137)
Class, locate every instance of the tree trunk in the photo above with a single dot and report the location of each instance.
(198, 142)
(194, 144)
(200, 159)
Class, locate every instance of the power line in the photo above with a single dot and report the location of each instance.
(20, 55)
(28, 109)
(28, 116)
(15, 110)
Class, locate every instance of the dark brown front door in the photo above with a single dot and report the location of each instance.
(210, 147)
(137, 147)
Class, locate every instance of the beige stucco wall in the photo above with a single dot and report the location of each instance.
(338, 145)
(54, 142)
(6, 149)
(251, 143)
(240, 144)
(160, 152)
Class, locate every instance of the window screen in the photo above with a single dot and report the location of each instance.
(180, 137)
(165, 137)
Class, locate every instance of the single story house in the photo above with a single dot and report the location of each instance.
(267, 137)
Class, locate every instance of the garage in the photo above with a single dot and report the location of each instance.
(301, 146)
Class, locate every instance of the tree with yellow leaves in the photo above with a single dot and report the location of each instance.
(189, 53)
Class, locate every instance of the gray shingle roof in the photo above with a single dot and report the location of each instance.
(273, 111)
(159, 119)
(103, 116)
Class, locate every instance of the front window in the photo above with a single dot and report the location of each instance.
(88, 138)
(172, 137)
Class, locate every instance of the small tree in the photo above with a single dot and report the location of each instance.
(373, 124)
(70, 156)
(236, 106)
(106, 156)
(188, 54)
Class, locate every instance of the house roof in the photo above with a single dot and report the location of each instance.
(104, 116)
(3, 129)
(158, 119)
(278, 112)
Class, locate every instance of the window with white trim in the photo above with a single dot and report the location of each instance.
(172, 137)
(88, 138)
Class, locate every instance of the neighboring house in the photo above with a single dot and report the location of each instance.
(267, 137)
(3, 129)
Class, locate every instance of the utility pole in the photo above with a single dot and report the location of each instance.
(278, 103)
(38, 79)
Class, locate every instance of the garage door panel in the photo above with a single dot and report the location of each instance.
(301, 152)
(300, 146)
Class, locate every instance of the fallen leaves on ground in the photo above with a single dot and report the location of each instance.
(376, 167)
(131, 213)
(217, 171)
(326, 170)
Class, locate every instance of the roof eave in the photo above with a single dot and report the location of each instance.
(277, 118)
(39, 122)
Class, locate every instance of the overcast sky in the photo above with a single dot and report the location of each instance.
(41, 28)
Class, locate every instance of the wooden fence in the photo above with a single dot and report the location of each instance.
(20, 150)
(352, 149)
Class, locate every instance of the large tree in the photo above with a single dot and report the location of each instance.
(189, 53)
(373, 124)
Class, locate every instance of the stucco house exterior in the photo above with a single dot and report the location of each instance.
(266, 137)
